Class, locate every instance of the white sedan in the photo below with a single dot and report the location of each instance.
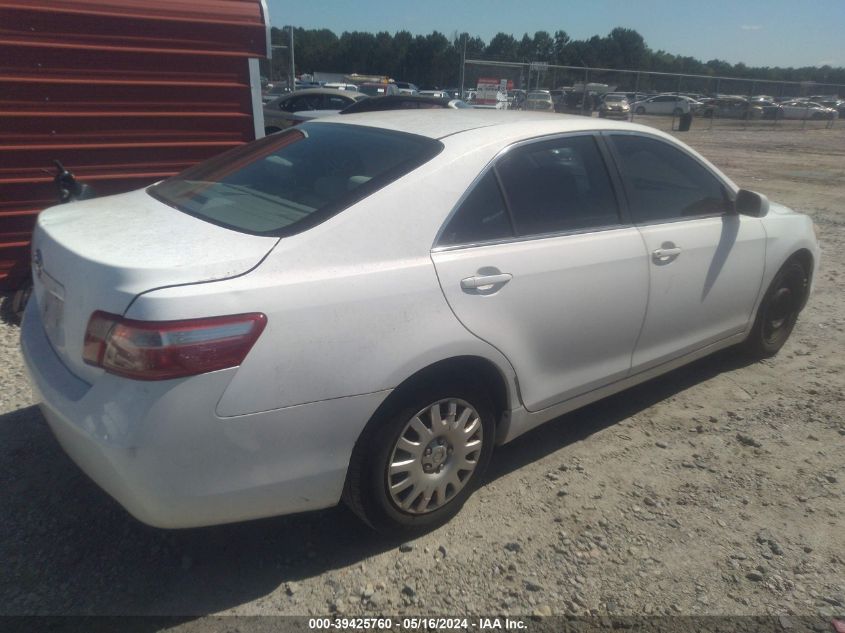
(361, 307)
(805, 110)
(665, 104)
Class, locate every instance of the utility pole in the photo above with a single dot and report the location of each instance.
(463, 64)
(292, 82)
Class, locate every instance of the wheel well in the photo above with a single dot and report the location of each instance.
(805, 258)
(457, 368)
(474, 368)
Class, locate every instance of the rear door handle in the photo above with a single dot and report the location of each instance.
(663, 255)
(481, 281)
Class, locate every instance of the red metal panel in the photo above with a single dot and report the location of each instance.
(123, 92)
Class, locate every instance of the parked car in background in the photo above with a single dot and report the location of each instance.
(516, 99)
(807, 110)
(771, 109)
(274, 91)
(341, 86)
(730, 108)
(665, 104)
(363, 309)
(406, 88)
(539, 100)
(403, 102)
(440, 94)
(372, 89)
(279, 113)
(614, 106)
(834, 104)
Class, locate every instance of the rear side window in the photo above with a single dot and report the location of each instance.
(558, 185)
(663, 183)
(288, 182)
(481, 217)
(336, 102)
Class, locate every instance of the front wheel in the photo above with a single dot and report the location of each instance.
(778, 312)
(415, 468)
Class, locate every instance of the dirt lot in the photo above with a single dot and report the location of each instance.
(717, 489)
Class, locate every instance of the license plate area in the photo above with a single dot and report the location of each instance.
(52, 309)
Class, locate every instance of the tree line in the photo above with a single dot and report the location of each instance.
(434, 59)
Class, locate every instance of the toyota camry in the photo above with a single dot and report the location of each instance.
(361, 307)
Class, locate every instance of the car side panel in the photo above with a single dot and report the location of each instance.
(351, 309)
(787, 233)
(569, 317)
(707, 292)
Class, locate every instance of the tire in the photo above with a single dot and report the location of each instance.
(13, 305)
(640, 110)
(778, 311)
(407, 509)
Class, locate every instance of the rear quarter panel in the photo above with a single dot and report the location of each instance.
(354, 305)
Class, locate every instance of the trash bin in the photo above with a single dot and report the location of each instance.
(685, 122)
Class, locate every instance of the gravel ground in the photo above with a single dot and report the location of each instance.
(716, 489)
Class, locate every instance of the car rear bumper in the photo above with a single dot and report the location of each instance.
(160, 450)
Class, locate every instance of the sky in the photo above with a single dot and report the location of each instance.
(756, 32)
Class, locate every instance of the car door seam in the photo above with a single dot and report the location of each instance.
(464, 325)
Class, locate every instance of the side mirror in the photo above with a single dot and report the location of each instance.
(751, 203)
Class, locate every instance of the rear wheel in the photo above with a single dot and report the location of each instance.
(778, 312)
(416, 467)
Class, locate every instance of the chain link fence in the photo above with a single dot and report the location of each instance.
(710, 102)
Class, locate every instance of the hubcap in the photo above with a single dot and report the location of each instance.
(435, 456)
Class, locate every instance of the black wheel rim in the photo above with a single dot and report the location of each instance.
(781, 311)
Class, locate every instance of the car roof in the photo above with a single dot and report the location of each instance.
(389, 102)
(495, 124)
(314, 91)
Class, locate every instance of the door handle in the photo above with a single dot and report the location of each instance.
(480, 281)
(663, 255)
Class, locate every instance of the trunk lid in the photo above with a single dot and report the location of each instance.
(100, 254)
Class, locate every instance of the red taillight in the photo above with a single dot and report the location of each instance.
(160, 350)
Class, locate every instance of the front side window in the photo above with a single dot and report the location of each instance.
(288, 182)
(664, 183)
(558, 185)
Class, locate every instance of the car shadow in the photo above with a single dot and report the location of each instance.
(581, 423)
(68, 548)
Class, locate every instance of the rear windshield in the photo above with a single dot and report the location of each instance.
(290, 181)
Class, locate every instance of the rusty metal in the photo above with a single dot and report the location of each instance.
(123, 92)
